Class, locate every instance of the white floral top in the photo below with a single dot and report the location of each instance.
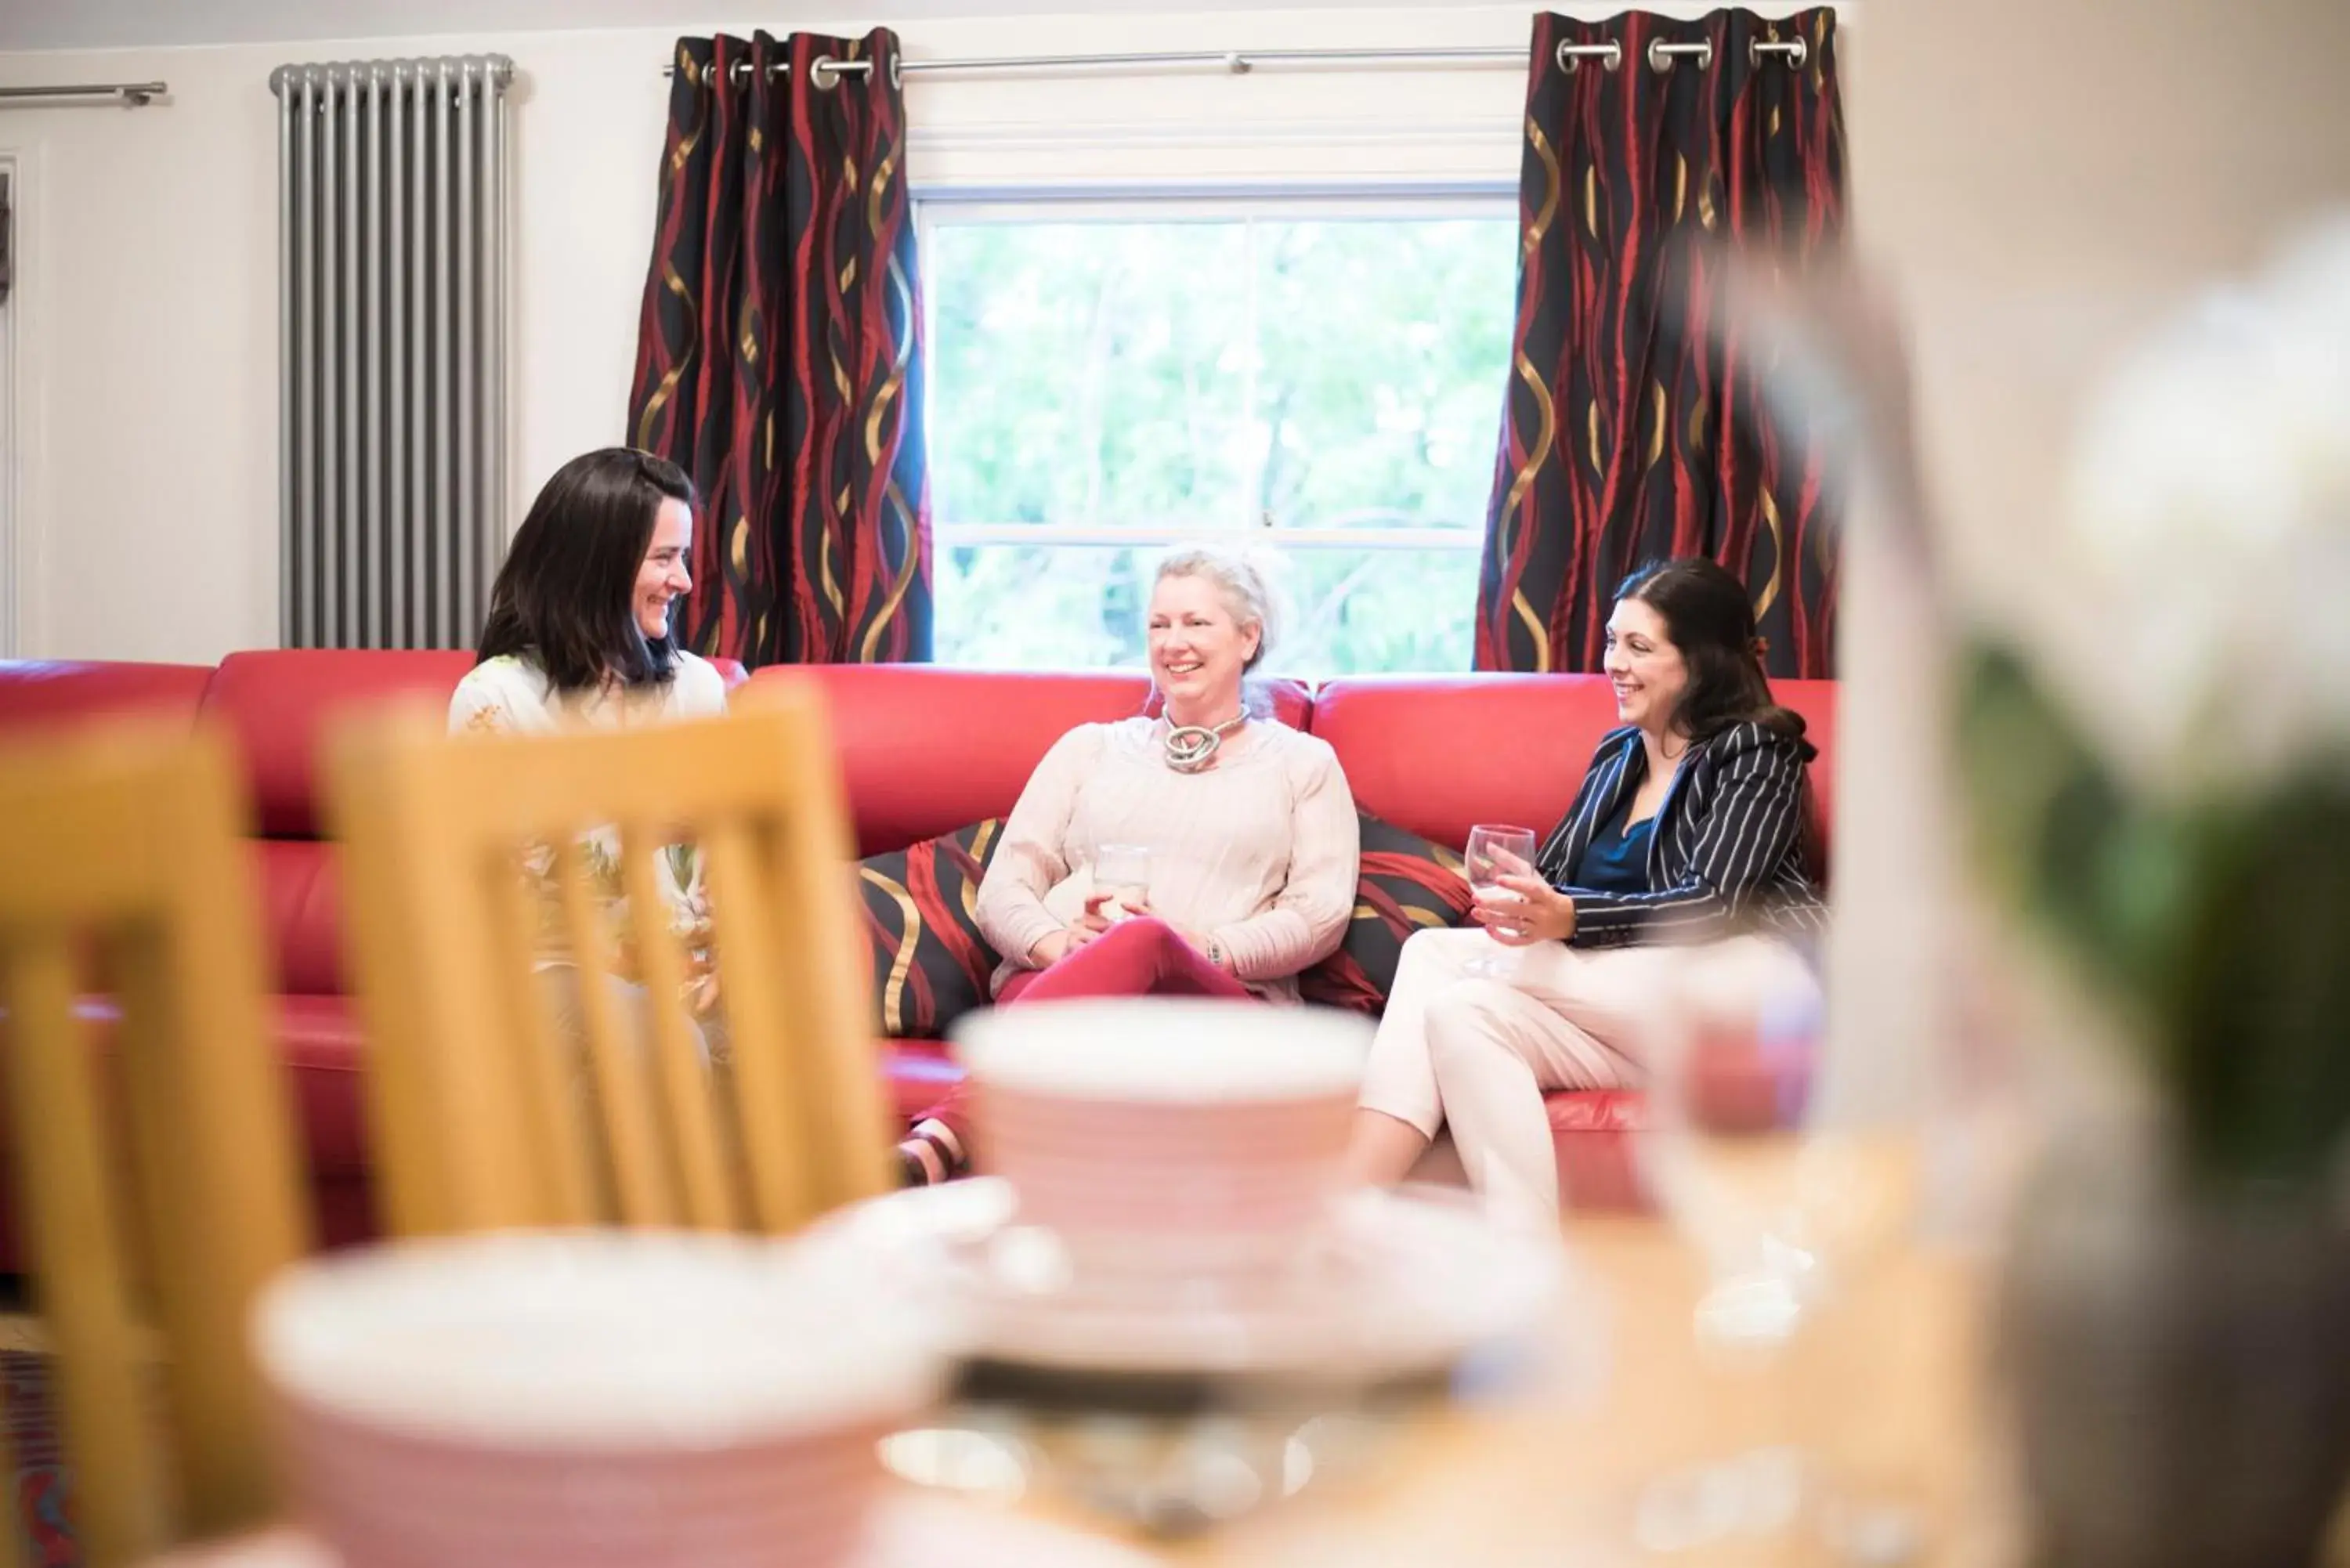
(510, 694)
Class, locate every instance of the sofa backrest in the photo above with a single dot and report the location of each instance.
(923, 750)
(926, 750)
(1436, 754)
(280, 704)
(1817, 701)
(45, 693)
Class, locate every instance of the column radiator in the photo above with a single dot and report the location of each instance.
(391, 314)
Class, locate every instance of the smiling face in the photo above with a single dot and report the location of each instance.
(1199, 648)
(663, 578)
(1644, 667)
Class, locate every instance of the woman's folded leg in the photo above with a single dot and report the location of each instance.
(1401, 1107)
(1135, 957)
(1495, 1050)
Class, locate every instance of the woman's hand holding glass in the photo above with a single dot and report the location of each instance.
(1120, 876)
(1518, 909)
(1121, 882)
(1057, 945)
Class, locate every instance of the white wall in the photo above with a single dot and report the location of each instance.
(2043, 180)
(147, 293)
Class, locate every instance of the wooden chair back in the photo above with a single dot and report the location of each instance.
(158, 1180)
(487, 1113)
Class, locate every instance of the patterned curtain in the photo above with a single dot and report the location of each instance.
(779, 356)
(1633, 428)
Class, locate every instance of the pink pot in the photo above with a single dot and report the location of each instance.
(1169, 1130)
(589, 1400)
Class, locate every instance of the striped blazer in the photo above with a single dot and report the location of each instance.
(1727, 852)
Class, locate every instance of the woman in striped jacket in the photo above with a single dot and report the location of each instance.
(1692, 825)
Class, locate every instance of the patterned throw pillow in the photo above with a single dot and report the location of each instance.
(1408, 884)
(930, 965)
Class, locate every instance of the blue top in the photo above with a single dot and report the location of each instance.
(1616, 860)
(1728, 845)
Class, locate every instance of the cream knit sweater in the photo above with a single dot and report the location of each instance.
(1259, 851)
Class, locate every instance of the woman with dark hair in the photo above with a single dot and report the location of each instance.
(578, 636)
(1692, 825)
(582, 605)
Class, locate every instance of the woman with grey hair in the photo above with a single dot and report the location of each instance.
(1247, 827)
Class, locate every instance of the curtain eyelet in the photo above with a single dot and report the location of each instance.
(1661, 55)
(1570, 61)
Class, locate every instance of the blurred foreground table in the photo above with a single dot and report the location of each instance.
(1888, 1390)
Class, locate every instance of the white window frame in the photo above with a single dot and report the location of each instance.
(985, 205)
(12, 554)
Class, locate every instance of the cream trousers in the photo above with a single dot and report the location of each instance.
(1478, 1052)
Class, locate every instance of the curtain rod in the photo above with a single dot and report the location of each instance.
(133, 95)
(1240, 62)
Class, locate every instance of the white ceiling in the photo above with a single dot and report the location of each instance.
(152, 24)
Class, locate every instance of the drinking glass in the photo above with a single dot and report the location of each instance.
(1486, 862)
(1791, 1173)
(1122, 875)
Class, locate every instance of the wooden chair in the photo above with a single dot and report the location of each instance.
(482, 1118)
(126, 847)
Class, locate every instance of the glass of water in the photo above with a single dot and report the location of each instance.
(1122, 876)
(1495, 850)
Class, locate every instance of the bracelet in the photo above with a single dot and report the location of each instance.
(1216, 955)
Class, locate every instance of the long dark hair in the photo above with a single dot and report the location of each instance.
(1707, 616)
(566, 598)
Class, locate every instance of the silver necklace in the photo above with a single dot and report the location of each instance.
(1191, 747)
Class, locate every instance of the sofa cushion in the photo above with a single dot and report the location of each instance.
(301, 913)
(320, 1045)
(931, 964)
(281, 703)
(925, 750)
(1407, 884)
(326, 1054)
(917, 1075)
(1593, 1132)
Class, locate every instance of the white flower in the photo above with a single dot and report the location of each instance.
(2208, 534)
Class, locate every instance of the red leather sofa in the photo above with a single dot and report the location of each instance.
(1433, 754)
(924, 750)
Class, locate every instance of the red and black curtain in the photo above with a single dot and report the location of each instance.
(1633, 428)
(779, 351)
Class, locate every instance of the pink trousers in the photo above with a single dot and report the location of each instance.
(1141, 957)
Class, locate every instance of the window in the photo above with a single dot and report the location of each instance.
(1108, 378)
(10, 190)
